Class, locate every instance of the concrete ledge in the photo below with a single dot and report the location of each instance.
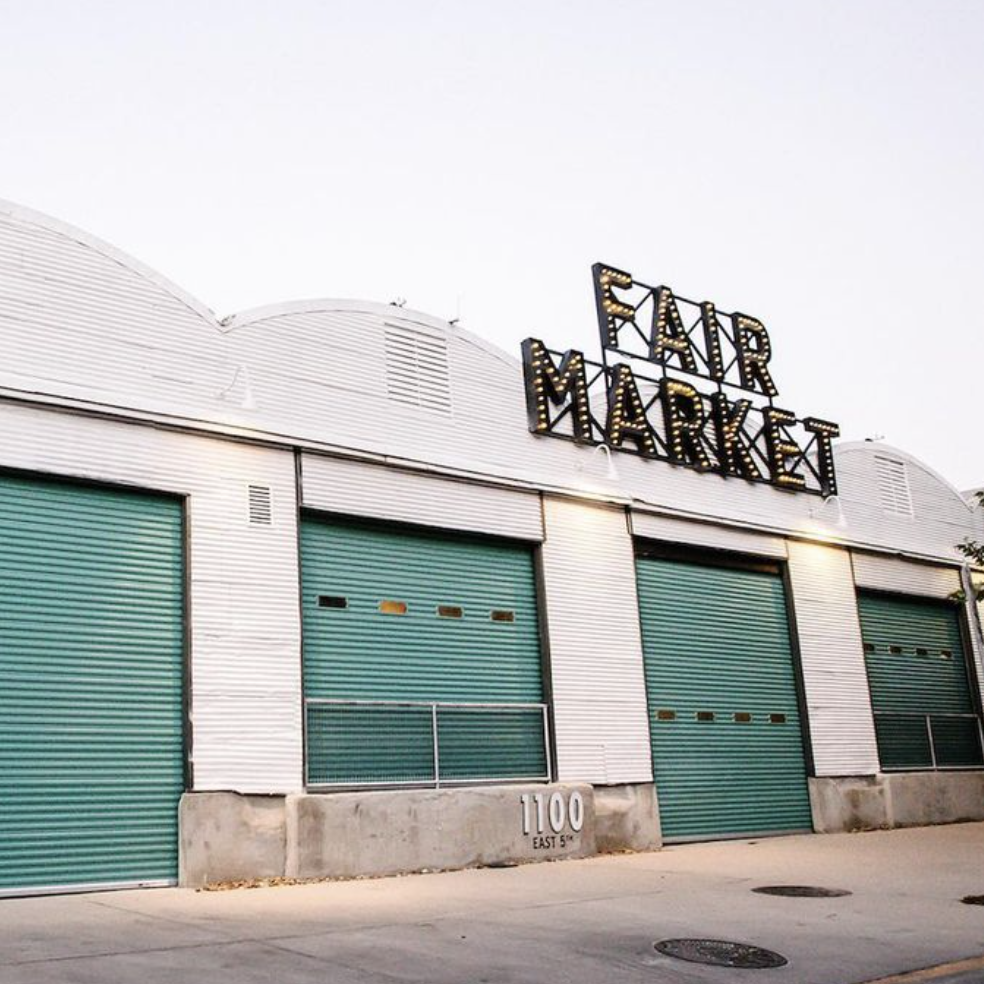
(228, 837)
(626, 818)
(848, 803)
(898, 799)
(382, 833)
(232, 837)
(917, 798)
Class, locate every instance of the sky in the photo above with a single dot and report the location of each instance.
(819, 165)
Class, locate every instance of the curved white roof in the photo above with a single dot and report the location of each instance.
(869, 448)
(82, 322)
(30, 217)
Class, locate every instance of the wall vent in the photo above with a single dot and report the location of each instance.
(260, 505)
(894, 494)
(417, 369)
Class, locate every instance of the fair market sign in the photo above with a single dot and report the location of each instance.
(678, 381)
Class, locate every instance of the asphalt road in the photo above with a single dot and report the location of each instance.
(576, 922)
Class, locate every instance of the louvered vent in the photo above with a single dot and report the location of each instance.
(417, 370)
(260, 507)
(894, 494)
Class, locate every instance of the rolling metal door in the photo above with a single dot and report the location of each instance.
(421, 657)
(724, 718)
(920, 688)
(91, 662)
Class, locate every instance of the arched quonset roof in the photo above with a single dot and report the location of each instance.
(29, 217)
(79, 320)
(384, 379)
(896, 499)
(869, 450)
(272, 314)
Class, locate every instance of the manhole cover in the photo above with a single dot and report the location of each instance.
(973, 900)
(802, 891)
(721, 953)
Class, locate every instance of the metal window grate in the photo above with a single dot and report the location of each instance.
(928, 741)
(260, 505)
(424, 743)
(894, 494)
(417, 369)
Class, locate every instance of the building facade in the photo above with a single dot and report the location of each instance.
(300, 593)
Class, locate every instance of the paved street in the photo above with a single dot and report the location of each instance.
(574, 921)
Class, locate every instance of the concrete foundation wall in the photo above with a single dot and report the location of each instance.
(626, 818)
(380, 833)
(901, 799)
(229, 837)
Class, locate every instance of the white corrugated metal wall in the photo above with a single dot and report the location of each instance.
(711, 536)
(244, 619)
(881, 573)
(80, 321)
(359, 489)
(835, 681)
(599, 693)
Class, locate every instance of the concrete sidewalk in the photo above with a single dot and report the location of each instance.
(593, 920)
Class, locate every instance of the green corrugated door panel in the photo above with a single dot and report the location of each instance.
(91, 657)
(724, 717)
(917, 667)
(358, 652)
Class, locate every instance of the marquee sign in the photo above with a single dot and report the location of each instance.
(641, 397)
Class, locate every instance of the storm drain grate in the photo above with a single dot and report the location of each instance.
(973, 900)
(721, 953)
(802, 891)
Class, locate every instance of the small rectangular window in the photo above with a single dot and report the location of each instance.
(665, 715)
(388, 607)
(332, 601)
(449, 611)
(895, 650)
(503, 615)
(869, 647)
(777, 719)
(742, 717)
(921, 652)
(705, 715)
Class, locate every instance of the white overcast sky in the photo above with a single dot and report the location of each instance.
(816, 164)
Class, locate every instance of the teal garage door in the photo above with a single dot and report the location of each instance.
(91, 754)
(411, 636)
(724, 717)
(920, 686)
